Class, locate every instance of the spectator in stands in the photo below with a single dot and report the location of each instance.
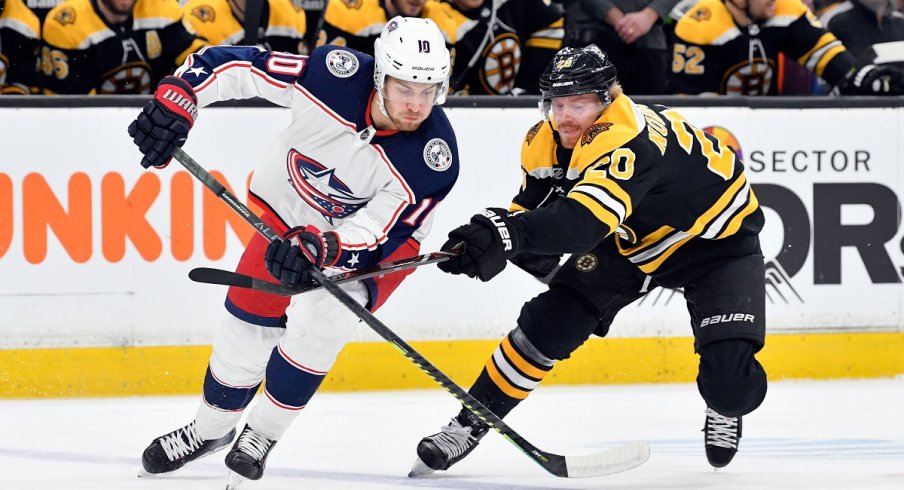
(510, 57)
(41, 7)
(869, 29)
(630, 32)
(313, 10)
(19, 44)
(282, 24)
(113, 46)
(731, 47)
(358, 23)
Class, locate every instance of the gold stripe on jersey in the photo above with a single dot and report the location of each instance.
(358, 17)
(735, 224)
(826, 48)
(707, 23)
(516, 208)
(721, 220)
(548, 38)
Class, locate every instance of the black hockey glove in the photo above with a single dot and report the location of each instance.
(874, 80)
(291, 258)
(164, 122)
(490, 239)
(536, 265)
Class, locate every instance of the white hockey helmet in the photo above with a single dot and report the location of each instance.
(412, 49)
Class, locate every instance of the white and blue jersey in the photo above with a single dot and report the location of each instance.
(330, 168)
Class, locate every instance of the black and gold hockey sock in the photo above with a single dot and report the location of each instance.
(512, 372)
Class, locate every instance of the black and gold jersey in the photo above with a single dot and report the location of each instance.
(41, 7)
(524, 37)
(19, 43)
(85, 54)
(712, 54)
(358, 23)
(673, 195)
(282, 24)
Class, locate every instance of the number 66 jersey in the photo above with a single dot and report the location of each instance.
(675, 198)
(330, 167)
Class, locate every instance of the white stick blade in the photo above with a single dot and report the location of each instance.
(608, 462)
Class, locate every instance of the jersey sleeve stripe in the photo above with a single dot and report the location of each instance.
(738, 202)
(601, 212)
(735, 224)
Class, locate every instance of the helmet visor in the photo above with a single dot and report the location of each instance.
(579, 107)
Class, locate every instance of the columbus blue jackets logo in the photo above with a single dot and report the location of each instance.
(438, 155)
(319, 187)
(342, 63)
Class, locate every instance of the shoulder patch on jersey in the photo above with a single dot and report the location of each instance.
(66, 15)
(701, 14)
(533, 132)
(438, 155)
(342, 63)
(204, 13)
(593, 131)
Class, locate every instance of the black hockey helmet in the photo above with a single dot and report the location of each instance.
(576, 71)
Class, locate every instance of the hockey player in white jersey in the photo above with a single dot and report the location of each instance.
(354, 180)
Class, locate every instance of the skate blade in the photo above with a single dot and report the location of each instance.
(143, 473)
(234, 480)
(419, 469)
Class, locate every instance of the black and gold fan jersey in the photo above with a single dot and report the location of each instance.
(19, 43)
(524, 38)
(41, 7)
(282, 25)
(85, 54)
(674, 196)
(358, 23)
(712, 54)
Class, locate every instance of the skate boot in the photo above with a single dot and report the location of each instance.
(170, 452)
(447, 447)
(721, 435)
(248, 457)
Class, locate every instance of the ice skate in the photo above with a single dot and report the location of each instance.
(722, 436)
(248, 457)
(172, 451)
(447, 447)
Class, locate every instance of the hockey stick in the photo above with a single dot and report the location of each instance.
(228, 278)
(607, 462)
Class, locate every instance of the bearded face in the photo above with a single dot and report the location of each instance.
(119, 7)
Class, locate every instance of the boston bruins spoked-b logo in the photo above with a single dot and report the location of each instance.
(748, 78)
(438, 155)
(586, 263)
(501, 61)
(342, 63)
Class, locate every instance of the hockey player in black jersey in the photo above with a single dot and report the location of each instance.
(642, 199)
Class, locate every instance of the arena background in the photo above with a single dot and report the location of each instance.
(95, 251)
